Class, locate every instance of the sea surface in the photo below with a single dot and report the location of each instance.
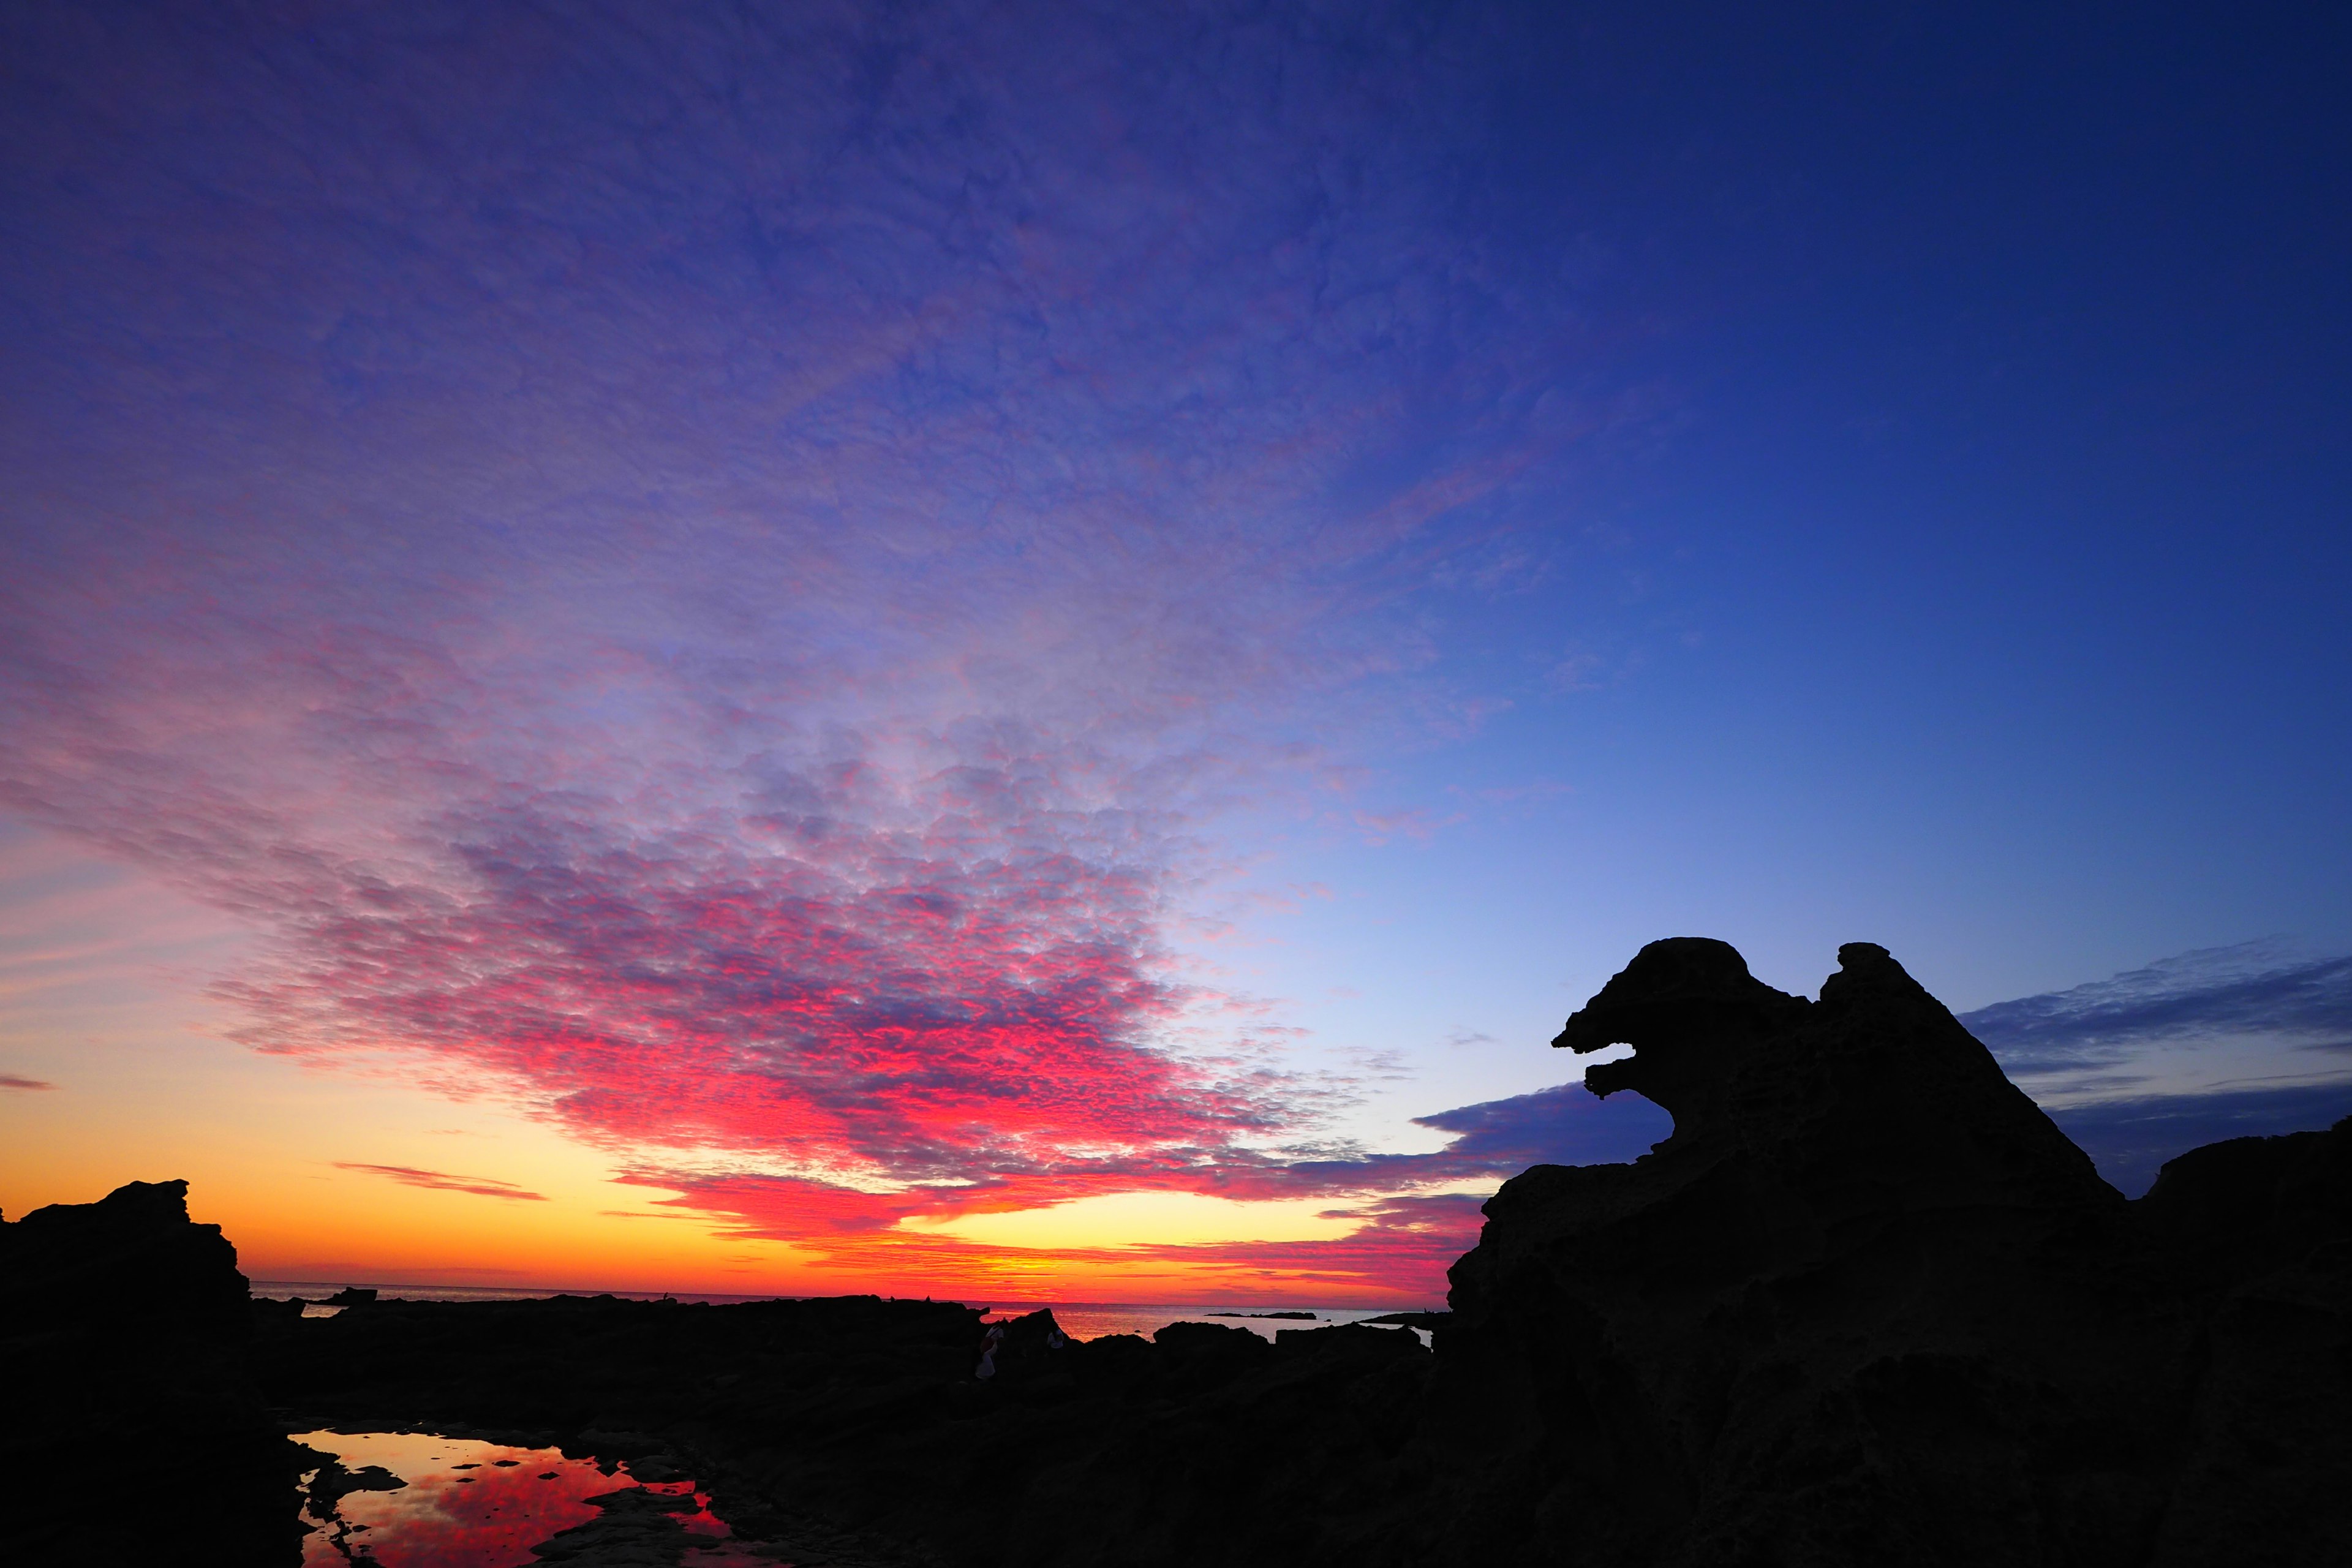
(1079, 1320)
(1093, 1320)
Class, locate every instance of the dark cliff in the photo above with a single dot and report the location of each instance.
(1868, 1304)
(134, 1427)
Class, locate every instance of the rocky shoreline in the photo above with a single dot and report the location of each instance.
(1866, 1305)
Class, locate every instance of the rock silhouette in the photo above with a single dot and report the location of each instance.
(1865, 1305)
(1868, 1304)
(133, 1425)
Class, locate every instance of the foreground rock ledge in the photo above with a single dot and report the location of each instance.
(1867, 1305)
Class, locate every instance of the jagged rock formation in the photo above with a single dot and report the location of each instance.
(1867, 1304)
(133, 1425)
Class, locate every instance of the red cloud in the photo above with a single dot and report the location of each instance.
(1400, 1251)
(743, 750)
(869, 1002)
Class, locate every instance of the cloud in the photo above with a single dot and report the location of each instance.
(1403, 1249)
(2216, 1018)
(1566, 1125)
(441, 1181)
(2130, 1139)
(1407, 1239)
(2224, 1042)
(10, 1080)
(2258, 987)
(717, 583)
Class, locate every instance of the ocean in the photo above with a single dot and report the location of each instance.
(1079, 1320)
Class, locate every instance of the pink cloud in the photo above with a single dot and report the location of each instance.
(441, 1181)
(743, 642)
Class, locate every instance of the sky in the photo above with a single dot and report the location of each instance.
(1030, 652)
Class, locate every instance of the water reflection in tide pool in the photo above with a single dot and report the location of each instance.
(465, 1503)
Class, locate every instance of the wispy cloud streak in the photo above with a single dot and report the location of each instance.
(1408, 1235)
(442, 1182)
(2251, 1040)
(2217, 1017)
(2131, 1139)
(2256, 987)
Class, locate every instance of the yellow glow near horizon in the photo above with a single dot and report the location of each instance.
(1110, 1220)
(102, 977)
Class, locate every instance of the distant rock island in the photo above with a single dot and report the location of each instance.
(1867, 1306)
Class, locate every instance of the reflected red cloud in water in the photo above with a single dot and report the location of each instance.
(467, 1503)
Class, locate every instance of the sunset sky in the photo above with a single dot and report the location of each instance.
(1030, 652)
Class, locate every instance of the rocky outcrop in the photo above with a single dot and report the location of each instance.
(2262, 1228)
(122, 1327)
(1868, 1304)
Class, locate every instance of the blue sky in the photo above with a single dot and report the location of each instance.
(868, 615)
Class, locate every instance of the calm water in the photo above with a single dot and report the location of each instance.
(1079, 1320)
(1093, 1320)
(316, 1290)
(470, 1504)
